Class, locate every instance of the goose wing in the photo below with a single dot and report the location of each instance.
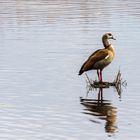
(93, 58)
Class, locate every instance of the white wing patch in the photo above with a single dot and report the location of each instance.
(107, 57)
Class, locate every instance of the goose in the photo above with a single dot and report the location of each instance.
(101, 58)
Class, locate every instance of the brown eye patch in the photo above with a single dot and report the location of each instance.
(109, 34)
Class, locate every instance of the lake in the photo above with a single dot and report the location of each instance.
(43, 44)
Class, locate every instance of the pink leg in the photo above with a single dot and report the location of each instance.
(100, 75)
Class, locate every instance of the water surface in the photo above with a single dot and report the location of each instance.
(42, 47)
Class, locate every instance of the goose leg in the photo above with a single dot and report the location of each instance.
(101, 76)
(98, 73)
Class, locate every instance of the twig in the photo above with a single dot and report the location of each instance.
(88, 80)
(116, 83)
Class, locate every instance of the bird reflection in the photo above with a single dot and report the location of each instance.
(102, 109)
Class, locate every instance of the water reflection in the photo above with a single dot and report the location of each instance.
(103, 110)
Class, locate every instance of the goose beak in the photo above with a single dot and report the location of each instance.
(113, 38)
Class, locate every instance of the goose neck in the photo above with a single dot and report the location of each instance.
(106, 42)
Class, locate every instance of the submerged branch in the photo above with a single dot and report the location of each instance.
(117, 83)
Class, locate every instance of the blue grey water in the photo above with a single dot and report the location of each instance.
(43, 44)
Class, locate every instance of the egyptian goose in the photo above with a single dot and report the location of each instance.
(100, 58)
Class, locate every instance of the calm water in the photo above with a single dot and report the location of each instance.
(43, 44)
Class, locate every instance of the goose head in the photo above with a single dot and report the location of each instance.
(105, 39)
(108, 36)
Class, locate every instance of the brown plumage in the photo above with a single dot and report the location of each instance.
(100, 58)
